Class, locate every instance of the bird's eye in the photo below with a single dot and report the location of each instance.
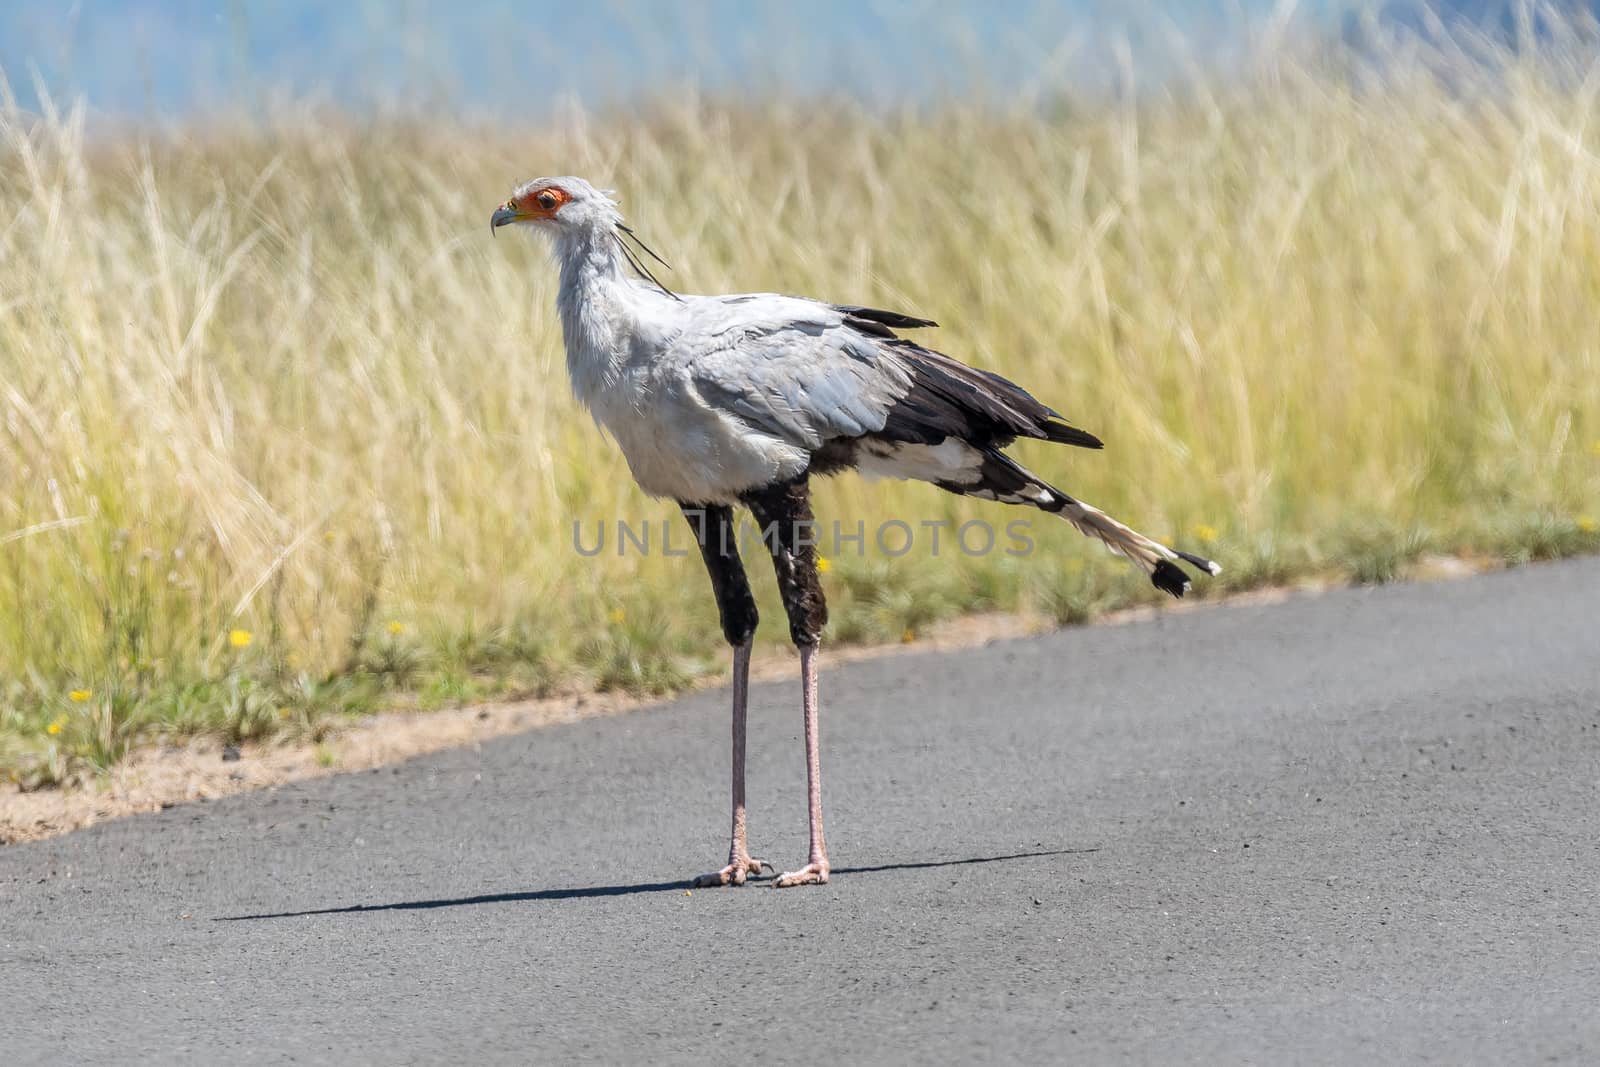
(547, 200)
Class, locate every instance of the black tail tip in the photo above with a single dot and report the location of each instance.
(1199, 561)
(1168, 578)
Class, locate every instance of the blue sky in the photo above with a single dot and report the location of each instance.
(171, 57)
(166, 57)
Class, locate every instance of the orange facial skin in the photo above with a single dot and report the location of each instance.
(539, 203)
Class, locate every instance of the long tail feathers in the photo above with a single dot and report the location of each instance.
(1153, 557)
(989, 474)
(1002, 478)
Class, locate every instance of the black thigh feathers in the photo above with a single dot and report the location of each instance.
(788, 527)
(718, 539)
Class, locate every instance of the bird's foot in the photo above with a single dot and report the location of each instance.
(735, 873)
(813, 873)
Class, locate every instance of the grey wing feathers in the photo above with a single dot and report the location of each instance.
(789, 368)
(810, 373)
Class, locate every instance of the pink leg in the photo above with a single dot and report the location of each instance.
(740, 865)
(814, 872)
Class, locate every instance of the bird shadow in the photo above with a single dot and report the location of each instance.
(627, 890)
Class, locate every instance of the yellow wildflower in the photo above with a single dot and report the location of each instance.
(396, 629)
(618, 616)
(824, 564)
(79, 696)
(1588, 524)
(1204, 532)
(55, 727)
(240, 638)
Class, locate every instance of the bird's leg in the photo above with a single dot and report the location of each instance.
(713, 526)
(740, 865)
(784, 512)
(816, 869)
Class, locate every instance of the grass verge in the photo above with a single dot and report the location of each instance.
(285, 437)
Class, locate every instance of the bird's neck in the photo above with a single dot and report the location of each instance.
(598, 308)
(589, 258)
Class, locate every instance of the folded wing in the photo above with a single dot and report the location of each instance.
(812, 373)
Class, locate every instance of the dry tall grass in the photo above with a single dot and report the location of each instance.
(281, 426)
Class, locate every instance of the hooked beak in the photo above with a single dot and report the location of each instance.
(503, 215)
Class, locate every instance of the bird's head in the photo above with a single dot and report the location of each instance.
(556, 206)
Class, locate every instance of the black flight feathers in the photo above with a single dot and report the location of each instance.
(950, 399)
(879, 322)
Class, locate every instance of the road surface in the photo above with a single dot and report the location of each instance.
(1359, 826)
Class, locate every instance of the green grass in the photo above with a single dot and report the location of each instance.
(273, 376)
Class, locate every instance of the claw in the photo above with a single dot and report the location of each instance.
(810, 874)
(735, 873)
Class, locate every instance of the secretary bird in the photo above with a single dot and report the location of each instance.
(719, 401)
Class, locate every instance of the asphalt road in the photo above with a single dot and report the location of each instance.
(1359, 826)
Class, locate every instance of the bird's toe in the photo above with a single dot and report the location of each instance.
(735, 873)
(810, 874)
